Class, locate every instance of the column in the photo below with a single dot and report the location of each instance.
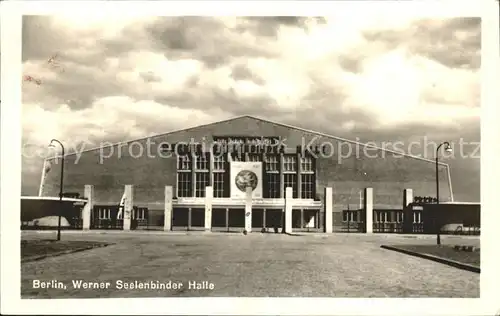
(264, 218)
(248, 209)
(407, 211)
(328, 210)
(167, 221)
(227, 219)
(128, 207)
(368, 207)
(301, 218)
(193, 173)
(190, 212)
(288, 209)
(299, 176)
(282, 175)
(88, 207)
(209, 194)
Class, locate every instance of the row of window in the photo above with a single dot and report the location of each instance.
(381, 217)
(105, 213)
(221, 184)
(271, 162)
(187, 186)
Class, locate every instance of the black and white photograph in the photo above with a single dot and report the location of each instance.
(334, 155)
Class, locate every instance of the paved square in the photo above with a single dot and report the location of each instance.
(343, 265)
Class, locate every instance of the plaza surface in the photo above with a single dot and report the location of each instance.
(276, 265)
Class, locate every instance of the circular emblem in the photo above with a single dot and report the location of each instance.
(246, 178)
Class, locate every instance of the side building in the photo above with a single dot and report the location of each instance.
(281, 156)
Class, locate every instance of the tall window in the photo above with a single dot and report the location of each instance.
(306, 164)
(202, 176)
(307, 186)
(272, 163)
(221, 181)
(272, 177)
(202, 181)
(185, 184)
(290, 173)
(290, 163)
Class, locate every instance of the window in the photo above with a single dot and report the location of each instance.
(290, 163)
(140, 213)
(307, 186)
(272, 186)
(202, 181)
(417, 217)
(104, 213)
(272, 163)
(220, 163)
(254, 157)
(202, 162)
(399, 217)
(237, 156)
(290, 181)
(219, 184)
(350, 216)
(382, 217)
(184, 163)
(185, 184)
(306, 164)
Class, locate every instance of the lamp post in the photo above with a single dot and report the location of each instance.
(447, 148)
(60, 187)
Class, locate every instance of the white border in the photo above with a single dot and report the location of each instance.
(11, 12)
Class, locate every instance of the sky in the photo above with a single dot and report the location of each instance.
(368, 78)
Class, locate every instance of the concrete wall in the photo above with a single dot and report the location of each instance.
(387, 175)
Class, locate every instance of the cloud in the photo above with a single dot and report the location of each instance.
(123, 77)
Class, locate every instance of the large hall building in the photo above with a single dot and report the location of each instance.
(220, 161)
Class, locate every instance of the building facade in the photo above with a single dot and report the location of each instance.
(230, 156)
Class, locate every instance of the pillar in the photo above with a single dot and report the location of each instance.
(407, 211)
(288, 209)
(328, 210)
(190, 214)
(301, 218)
(264, 218)
(167, 221)
(248, 209)
(368, 207)
(128, 207)
(209, 194)
(88, 207)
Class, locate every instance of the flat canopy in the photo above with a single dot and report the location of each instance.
(52, 198)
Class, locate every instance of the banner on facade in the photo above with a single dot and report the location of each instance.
(243, 175)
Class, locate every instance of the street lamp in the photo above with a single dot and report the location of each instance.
(447, 148)
(60, 187)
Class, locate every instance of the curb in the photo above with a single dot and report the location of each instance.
(60, 253)
(448, 262)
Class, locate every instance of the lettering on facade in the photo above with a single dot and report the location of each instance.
(229, 144)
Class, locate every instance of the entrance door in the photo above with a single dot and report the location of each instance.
(275, 219)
